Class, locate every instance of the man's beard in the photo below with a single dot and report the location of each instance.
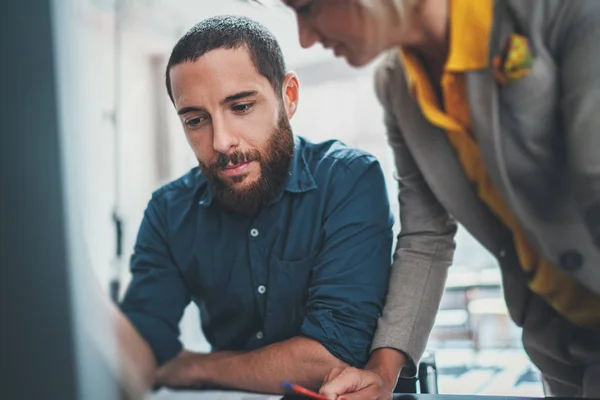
(274, 160)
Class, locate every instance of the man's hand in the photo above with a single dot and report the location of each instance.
(180, 372)
(355, 384)
(376, 382)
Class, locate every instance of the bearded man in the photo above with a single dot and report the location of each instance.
(283, 244)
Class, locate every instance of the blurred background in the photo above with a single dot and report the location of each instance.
(126, 141)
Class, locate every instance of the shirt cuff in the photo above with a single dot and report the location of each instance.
(322, 326)
(162, 340)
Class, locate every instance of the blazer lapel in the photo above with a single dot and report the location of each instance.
(482, 91)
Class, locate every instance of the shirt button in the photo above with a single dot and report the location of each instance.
(502, 253)
(259, 335)
(262, 289)
(254, 232)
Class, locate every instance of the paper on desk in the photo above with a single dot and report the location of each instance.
(165, 394)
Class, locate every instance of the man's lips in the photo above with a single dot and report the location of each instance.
(238, 169)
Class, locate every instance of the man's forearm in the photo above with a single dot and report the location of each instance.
(387, 363)
(301, 360)
(136, 358)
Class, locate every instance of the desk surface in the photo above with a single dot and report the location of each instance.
(164, 394)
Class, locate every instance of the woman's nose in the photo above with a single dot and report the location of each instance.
(308, 36)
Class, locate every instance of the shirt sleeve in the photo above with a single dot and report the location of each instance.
(156, 296)
(350, 278)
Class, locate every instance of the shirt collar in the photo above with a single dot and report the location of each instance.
(299, 179)
(470, 27)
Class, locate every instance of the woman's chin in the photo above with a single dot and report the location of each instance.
(357, 61)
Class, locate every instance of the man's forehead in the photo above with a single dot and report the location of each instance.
(188, 86)
(226, 56)
(226, 64)
(217, 76)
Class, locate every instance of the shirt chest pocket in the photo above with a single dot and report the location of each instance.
(290, 279)
(288, 298)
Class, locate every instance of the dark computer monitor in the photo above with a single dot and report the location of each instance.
(46, 350)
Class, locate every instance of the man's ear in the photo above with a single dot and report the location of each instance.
(291, 94)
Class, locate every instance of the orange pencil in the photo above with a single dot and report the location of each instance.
(292, 387)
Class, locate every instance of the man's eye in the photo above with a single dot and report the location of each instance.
(241, 107)
(192, 122)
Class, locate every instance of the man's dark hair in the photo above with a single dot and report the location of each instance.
(231, 32)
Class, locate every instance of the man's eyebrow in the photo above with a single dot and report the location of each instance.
(238, 96)
(186, 110)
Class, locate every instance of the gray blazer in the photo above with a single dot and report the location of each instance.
(540, 141)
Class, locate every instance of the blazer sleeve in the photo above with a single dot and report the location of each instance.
(578, 57)
(424, 249)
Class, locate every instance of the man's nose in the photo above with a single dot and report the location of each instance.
(307, 34)
(224, 139)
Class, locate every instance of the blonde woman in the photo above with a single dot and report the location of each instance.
(492, 109)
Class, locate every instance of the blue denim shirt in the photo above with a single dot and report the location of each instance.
(315, 263)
